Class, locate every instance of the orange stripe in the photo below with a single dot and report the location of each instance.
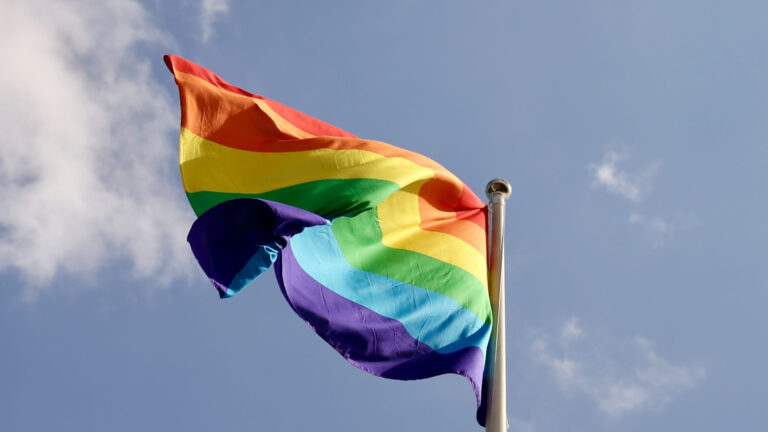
(226, 118)
(303, 121)
(459, 214)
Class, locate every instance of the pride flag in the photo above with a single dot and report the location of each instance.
(380, 250)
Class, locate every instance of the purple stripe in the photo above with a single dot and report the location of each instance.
(369, 341)
(226, 238)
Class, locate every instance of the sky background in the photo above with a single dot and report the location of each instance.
(634, 135)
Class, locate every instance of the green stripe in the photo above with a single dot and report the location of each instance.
(327, 198)
(360, 241)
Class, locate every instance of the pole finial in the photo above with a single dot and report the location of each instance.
(498, 186)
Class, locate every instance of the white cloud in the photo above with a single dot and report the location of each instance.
(642, 380)
(87, 159)
(571, 330)
(630, 186)
(633, 187)
(655, 228)
(210, 10)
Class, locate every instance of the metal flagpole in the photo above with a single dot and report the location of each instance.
(497, 191)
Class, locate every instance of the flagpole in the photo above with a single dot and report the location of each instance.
(497, 191)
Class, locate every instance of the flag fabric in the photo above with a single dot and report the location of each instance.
(382, 251)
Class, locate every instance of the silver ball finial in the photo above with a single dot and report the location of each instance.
(498, 186)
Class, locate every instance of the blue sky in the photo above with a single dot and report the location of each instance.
(634, 135)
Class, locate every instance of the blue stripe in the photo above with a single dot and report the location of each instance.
(263, 258)
(434, 319)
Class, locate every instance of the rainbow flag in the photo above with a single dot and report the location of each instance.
(380, 250)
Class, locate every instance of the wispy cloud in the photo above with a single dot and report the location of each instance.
(632, 186)
(87, 165)
(571, 330)
(210, 10)
(656, 229)
(618, 386)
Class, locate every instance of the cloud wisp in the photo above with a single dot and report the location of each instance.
(88, 169)
(210, 11)
(642, 380)
(655, 228)
(608, 176)
(633, 187)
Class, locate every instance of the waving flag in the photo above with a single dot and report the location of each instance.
(381, 250)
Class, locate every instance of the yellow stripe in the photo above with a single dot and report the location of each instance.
(399, 220)
(207, 166)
